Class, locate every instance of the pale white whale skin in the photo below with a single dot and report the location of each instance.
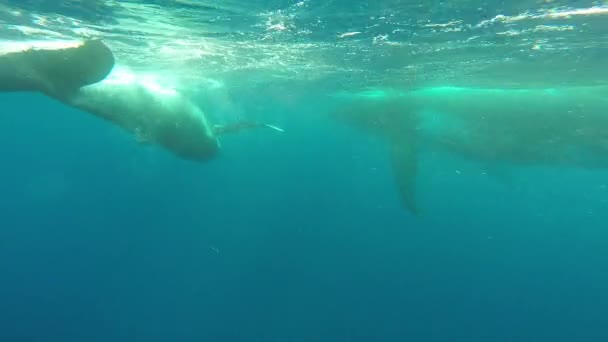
(84, 76)
(166, 118)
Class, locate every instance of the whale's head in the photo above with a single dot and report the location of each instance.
(189, 136)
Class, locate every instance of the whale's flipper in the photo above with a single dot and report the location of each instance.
(56, 72)
(404, 162)
(243, 125)
(394, 120)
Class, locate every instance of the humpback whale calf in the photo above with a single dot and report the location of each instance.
(80, 76)
(548, 127)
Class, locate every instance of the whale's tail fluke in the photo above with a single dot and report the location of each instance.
(242, 125)
(55, 72)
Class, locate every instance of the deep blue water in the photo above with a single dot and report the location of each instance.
(284, 238)
(299, 236)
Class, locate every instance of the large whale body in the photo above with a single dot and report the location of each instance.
(83, 76)
(559, 127)
(153, 115)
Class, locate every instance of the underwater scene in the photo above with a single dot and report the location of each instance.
(283, 170)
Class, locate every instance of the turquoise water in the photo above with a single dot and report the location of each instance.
(303, 236)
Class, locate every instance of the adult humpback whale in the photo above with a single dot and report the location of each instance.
(552, 127)
(79, 76)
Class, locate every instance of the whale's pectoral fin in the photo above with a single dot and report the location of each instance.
(394, 120)
(240, 126)
(404, 162)
(56, 72)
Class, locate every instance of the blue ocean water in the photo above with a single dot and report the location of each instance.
(285, 237)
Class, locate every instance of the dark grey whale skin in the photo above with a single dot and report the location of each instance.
(57, 73)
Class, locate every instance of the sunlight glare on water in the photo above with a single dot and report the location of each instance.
(400, 43)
